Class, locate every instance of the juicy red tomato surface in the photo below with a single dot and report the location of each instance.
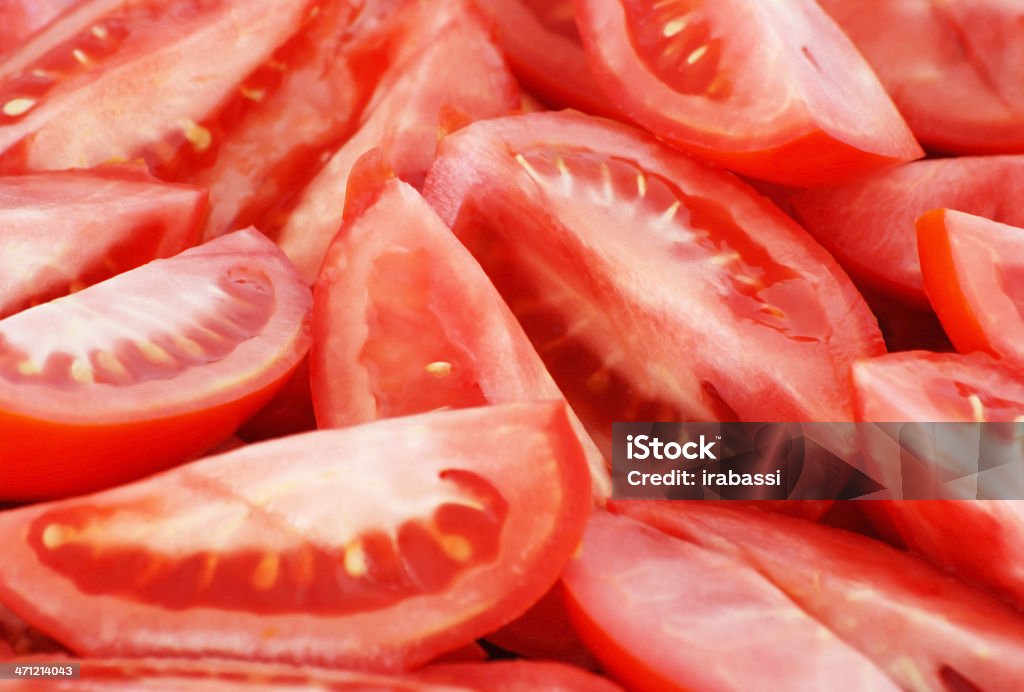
(634, 269)
(664, 614)
(543, 47)
(404, 117)
(64, 231)
(117, 381)
(950, 67)
(518, 676)
(120, 81)
(974, 276)
(957, 633)
(19, 19)
(405, 321)
(771, 90)
(869, 225)
(453, 524)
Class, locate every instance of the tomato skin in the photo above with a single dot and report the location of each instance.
(67, 230)
(972, 270)
(62, 436)
(627, 272)
(869, 225)
(345, 609)
(976, 107)
(772, 114)
(917, 622)
(664, 614)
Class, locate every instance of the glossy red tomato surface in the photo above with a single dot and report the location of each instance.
(116, 381)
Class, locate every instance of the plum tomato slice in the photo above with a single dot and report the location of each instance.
(126, 80)
(517, 676)
(950, 67)
(918, 624)
(869, 225)
(63, 231)
(146, 369)
(409, 109)
(405, 321)
(918, 386)
(377, 547)
(655, 288)
(543, 47)
(664, 614)
(773, 90)
(974, 276)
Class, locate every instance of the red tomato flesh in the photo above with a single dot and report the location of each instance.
(974, 275)
(917, 624)
(664, 614)
(951, 67)
(19, 19)
(404, 118)
(771, 90)
(869, 225)
(632, 267)
(61, 232)
(518, 676)
(374, 547)
(405, 321)
(146, 369)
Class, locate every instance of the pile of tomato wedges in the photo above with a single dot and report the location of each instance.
(315, 316)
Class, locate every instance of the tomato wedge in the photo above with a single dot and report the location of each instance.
(118, 380)
(869, 225)
(633, 268)
(405, 116)
(544, 50)
(925, 629)
(63, 231)
(950, 67)
(405, 321)
(120, 81)
(974, 275)
(450, 525)
(664, 614)
(917, 386)
(771, 90)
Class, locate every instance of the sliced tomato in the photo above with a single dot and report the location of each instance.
(664, 614)
(19, 19)
(917, 386)
(453, 523)
(771, 90)
(18, 638)
(405, 321)
(869, 225)
(517, 676)
(470, 653)
(925, 629)
(61, 232)
(545, 632)
(950, 67)
(974, 275)
(654, 287)
(149, 79)
(147, 369)
(543, 47)
(407, 113)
